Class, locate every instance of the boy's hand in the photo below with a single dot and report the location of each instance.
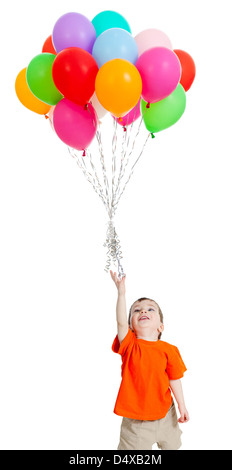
(120, 283)
(184, 416)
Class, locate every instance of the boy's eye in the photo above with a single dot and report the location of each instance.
(137, 310)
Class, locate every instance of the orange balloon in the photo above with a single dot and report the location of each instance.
(26, 97)
(118, 86)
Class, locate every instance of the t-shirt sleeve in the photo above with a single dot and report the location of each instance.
(121, 348)
(175, 364)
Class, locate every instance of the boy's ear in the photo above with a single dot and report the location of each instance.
(161, 328)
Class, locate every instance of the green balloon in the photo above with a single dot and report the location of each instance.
(40, 81)
(164, 113)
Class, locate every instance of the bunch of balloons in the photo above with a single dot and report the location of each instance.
(87, 68)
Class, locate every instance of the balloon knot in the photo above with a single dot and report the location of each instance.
(46, 117)
(152, 135)
(83, 154)
(86, 106)
(124, 128)
(120, 119)
(148, 105)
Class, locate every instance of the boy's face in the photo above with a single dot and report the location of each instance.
(145, 319)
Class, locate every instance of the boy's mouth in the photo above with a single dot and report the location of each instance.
(144, 317)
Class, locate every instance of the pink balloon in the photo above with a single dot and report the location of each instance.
(152, 38)
(160, 71)
(133, 114)
(75, 125)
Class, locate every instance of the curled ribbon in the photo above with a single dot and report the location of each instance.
(114, 254)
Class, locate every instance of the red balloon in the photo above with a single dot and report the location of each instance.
(48, 46)
(74, 71)
(188, 68)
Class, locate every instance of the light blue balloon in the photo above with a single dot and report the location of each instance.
(109, 19)
(115, 43)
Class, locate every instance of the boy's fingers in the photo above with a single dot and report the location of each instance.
(183, 419)
(116, 278)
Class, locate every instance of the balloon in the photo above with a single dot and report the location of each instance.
(118, 86)
(131, 116)
(74, 72)
(39, 78)
(48, 46)
(50, 116)
(152, 38)
(188, 68)
(115, 43)
(101, 112)
(109, 19)
(73, 30)
(75, 125)
(26, 97)
(166, 112)
(160, 71)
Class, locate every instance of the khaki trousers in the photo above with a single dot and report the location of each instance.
(141, 435)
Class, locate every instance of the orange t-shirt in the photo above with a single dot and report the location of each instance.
(147, 366)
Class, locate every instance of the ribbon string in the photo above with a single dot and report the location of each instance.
(110, 184)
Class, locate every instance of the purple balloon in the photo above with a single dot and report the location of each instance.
(73, 30)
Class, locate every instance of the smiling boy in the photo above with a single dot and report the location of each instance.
(151, 369)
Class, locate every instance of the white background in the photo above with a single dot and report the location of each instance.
(59, 377)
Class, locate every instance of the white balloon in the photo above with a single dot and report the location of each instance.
(152, 38)
(101, 112)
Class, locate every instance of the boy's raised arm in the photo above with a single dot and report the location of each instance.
(121, 313)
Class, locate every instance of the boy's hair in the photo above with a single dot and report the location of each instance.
(159, 311)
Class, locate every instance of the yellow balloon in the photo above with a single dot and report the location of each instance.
(118, 86)
(26, 97)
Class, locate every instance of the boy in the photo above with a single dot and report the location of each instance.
(150, 368)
